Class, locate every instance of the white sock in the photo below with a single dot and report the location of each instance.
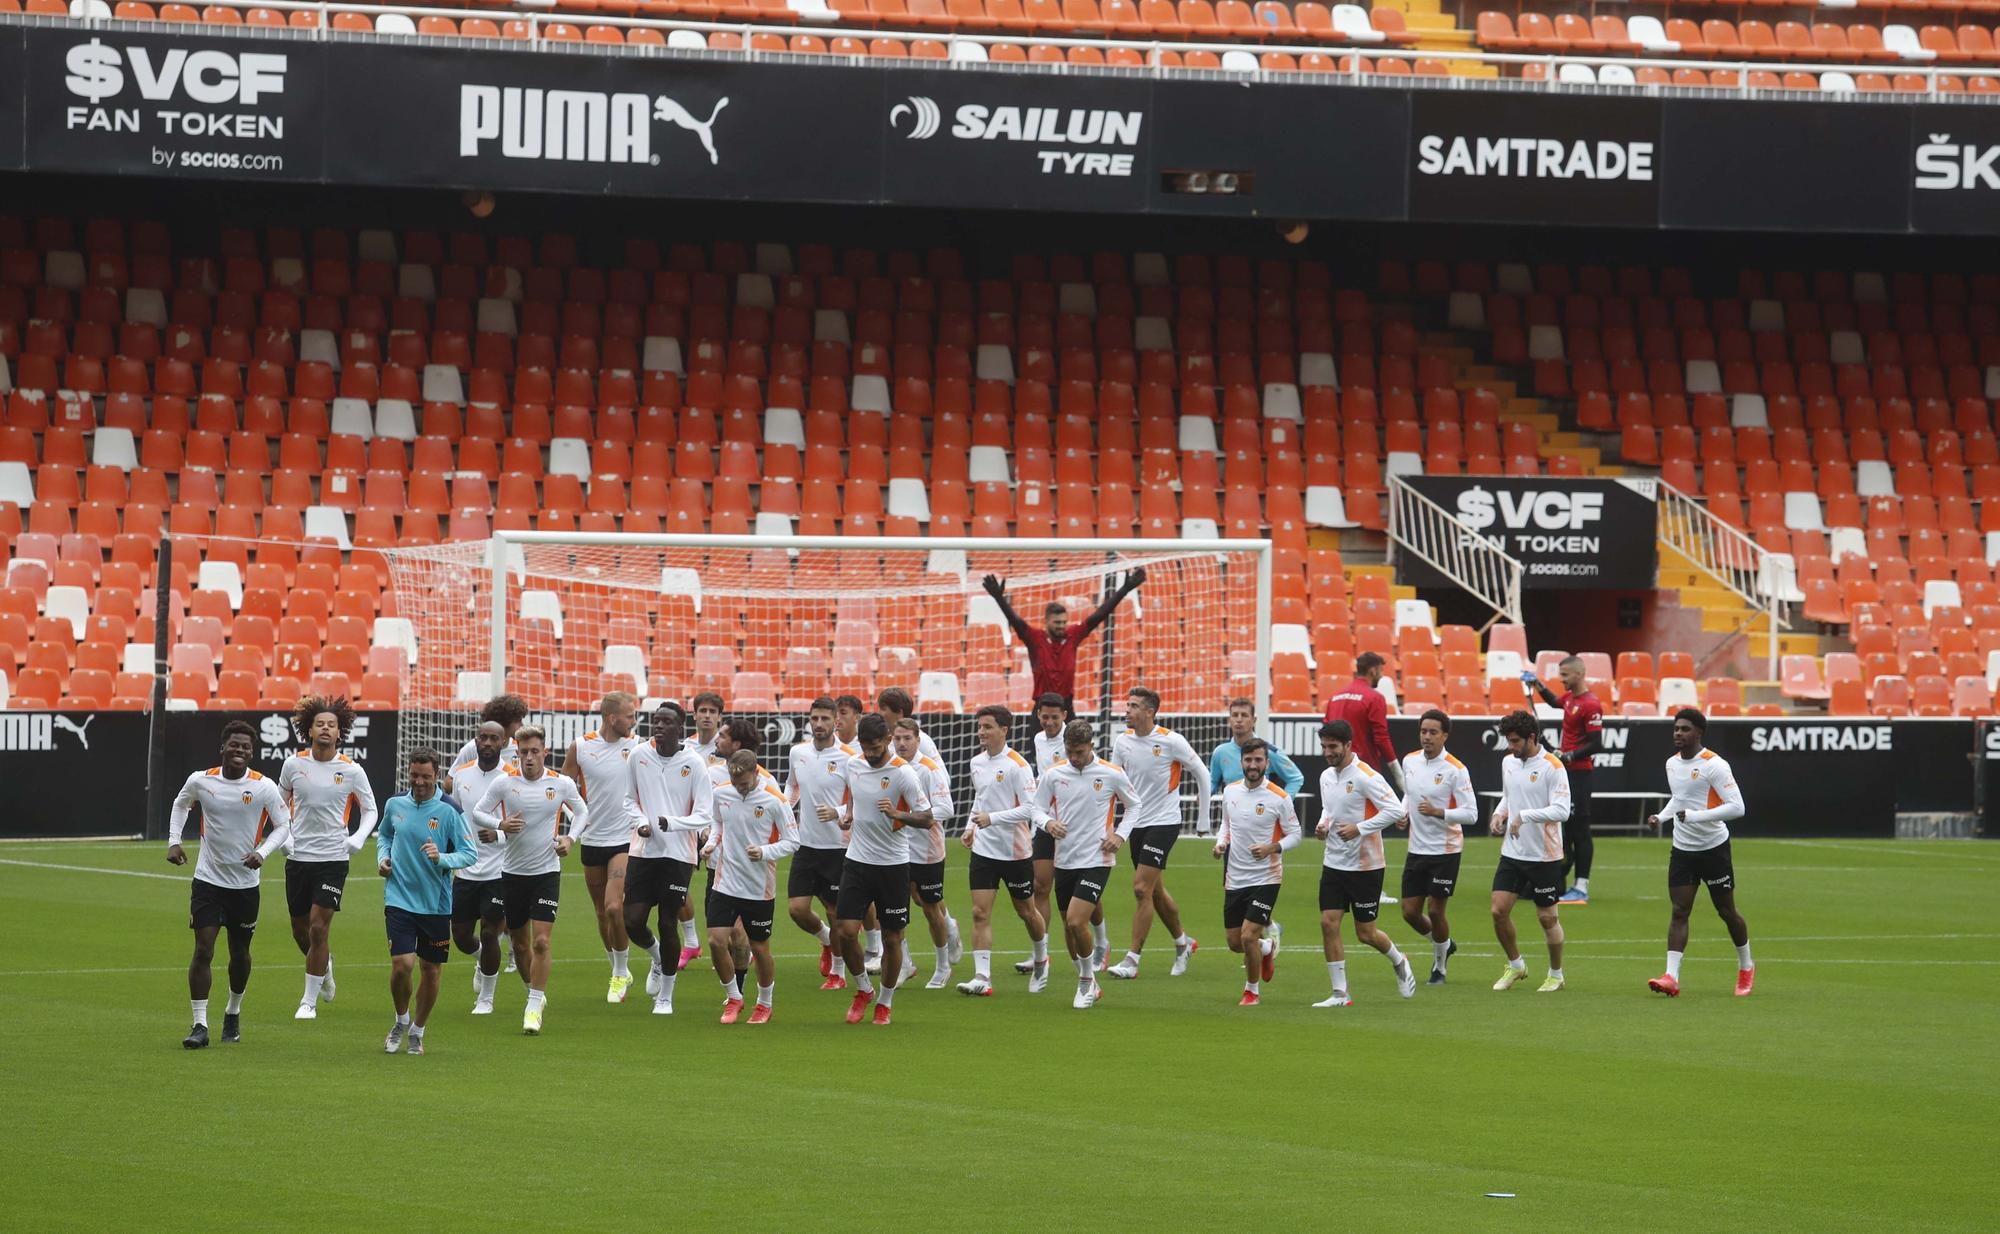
(312, 990)
(667, 986)
(536, 998)
(1583, 885)
(1041, 955)
(1674, 964)
(402, 1019)
(654, 952)
(487, 983)
(825, 935)
(1336, 972)
(874, 941)
(235, 1003)
(887, 996)
(1250, 986)
(416, 1032)
(764, 994)
(1102, 934)
(200, 1006)
(1267, 945)
(1085, 966)
(1519, 964)
(329, 966)
(729, 989)
(688, 936)
(1394, 956)
(1425, 935)
(621, 963)
(1132, 958)
(1183, 942)
(1743, 956)
(1440, 953)
(944, 959)
(862, 982)
(1555, 974)
(982, 964)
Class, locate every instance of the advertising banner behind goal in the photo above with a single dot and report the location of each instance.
(1568, 532)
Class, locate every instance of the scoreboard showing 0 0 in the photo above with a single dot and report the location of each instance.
(1566, 532)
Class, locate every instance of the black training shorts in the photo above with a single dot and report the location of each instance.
(602, 854)
(1080, 885)
(314, 882)
(1540, 881)
(928, 879)
(1711, 867)
(212, 907)
(477, 900)
(1150, 845)
(725, 910)
(885, 888)
(1432, 874)
(815, 873)
(530, 897)
(1351, 891)
(1249, 904)
(989, 873)
(660, 881)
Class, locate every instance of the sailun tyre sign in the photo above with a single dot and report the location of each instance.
(1568, 533)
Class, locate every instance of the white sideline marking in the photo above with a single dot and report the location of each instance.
(51, 865)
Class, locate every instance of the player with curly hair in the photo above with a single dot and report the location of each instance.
(325, 790)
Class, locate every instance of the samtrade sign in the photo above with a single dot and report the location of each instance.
(918, 119)
(1534, 157)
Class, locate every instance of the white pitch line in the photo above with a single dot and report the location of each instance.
(51, 865)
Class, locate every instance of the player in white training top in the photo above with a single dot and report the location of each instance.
(927, 858)
(1157, 760)
(510, 712)
(1439, 806)
(707, 726)
(478, 914)
(735, 734)
(672, 793)
(1051, 713)
(998, 831)
(600, 762)
(1356, 805)
(235, 804)
(1703, 800)
(896, 705)
(1534, 803)
(814, 786)
(1079, 798)
(326, 790)
(752, 832)
(1259, 823)
(537, 810)
(885, 801)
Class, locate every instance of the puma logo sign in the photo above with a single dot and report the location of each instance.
(71, 726)
(673, 113)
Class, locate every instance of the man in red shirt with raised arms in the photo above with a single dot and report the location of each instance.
(1052, 651)
(1367, 713)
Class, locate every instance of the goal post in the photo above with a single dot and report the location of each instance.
(771, 622)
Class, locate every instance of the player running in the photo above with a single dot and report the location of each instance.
(1078, 798)
(507, 711)
(1356, 807)
(1582, 738)
(673, 791)
(1156, 760)
(1225, 765)
(1534, 801)
(1703, 799)
(1438, 805)
(752, 831)
(325, 788)
(885, 797)
(997, 832)
(1259, 824)
(528, 809)
(707, 728)
(734, 735)
(600, 762)
(927, 859)
(235, 803)
(814, 786)
(423, 838)
(1051, 713)
(1052, 650)
(478, 914)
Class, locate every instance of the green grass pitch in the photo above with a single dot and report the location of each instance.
(1854, 1091)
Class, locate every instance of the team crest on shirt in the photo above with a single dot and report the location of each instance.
(1439, 778)
(684, 773)
(1260, 809)
(885, 781)
(1695, 774)
(1097, 786)
(1533, 776)
(999, 777)
(434, 824)
(626, 754)
(760, 811)
(339, 778)
(1350, 788)
(246, 798)
(552, 794)
(1156, 751)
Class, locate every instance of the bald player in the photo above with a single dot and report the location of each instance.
(600, 762)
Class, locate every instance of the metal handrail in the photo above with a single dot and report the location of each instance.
(1741, 565)
(1436, 537)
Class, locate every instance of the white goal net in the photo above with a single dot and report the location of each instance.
(769, 624)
